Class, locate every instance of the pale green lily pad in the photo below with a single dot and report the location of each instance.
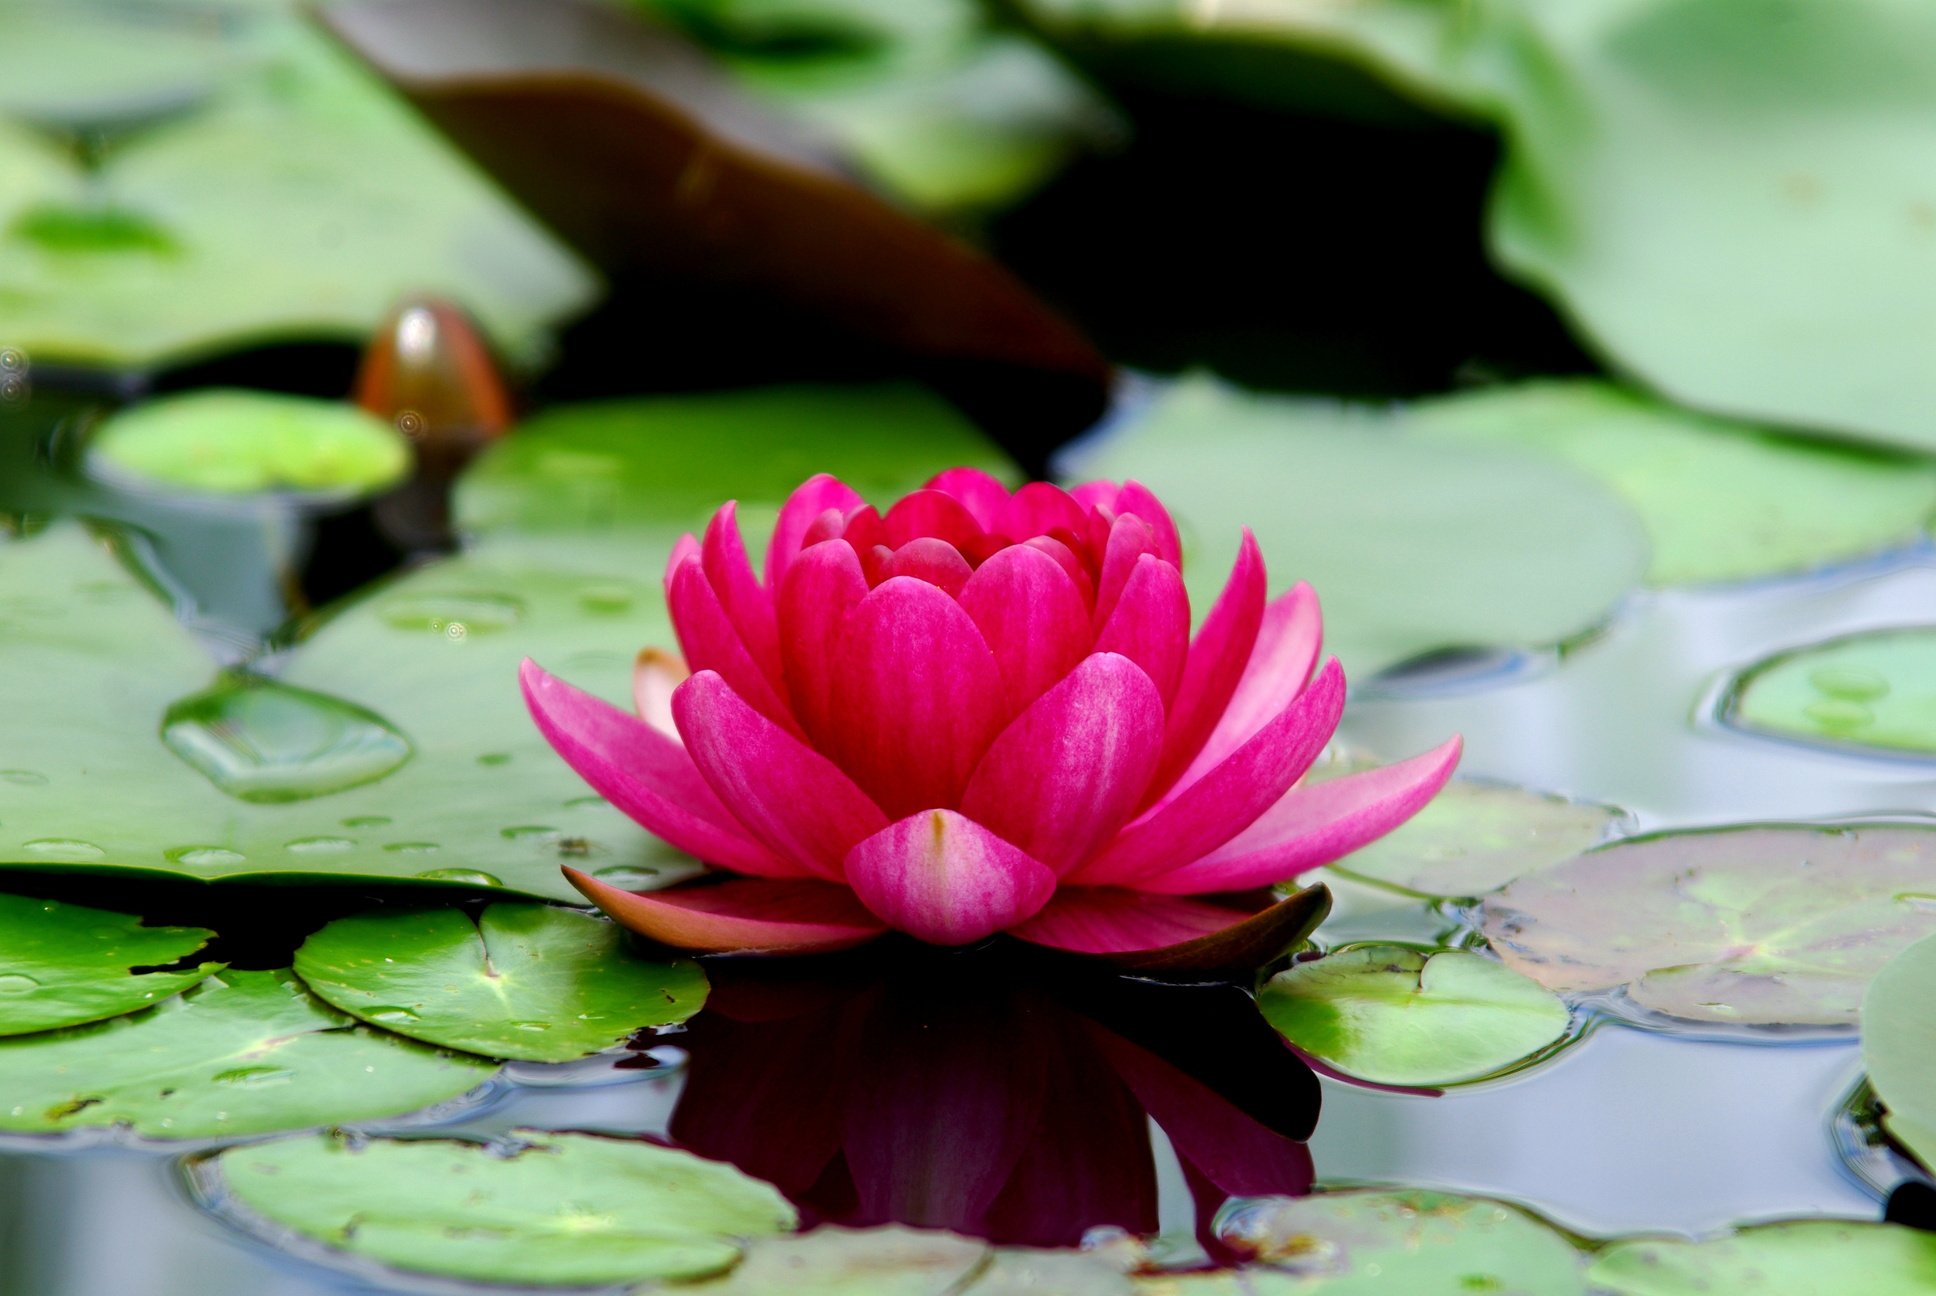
(1873, 691)
(1899, 1046)
(234, 442)
(1792, 1258)
(549, 1210)
(1394, 1015)
(1753, 926)
(517, 981)
(855, 1262)
(242, 1053)
(1473, 837)
(81, 62)
(1721, 501)
(1412, 546)
(65, 965)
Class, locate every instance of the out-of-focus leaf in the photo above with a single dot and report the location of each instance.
(234, 442)
(1873, 692)
(1899, 1046)
(1789, 1258)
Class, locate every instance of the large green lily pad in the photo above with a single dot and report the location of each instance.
(1754, 926)
(517, 981)
(64, 964)
(1721, 500)
(855, 1262)
(233, 442)
(1411, 546)
(1899, 1046)
(1874, 691)
(1394, 1015)
(242, 1053)
(550, 1210)
(1793, 1258)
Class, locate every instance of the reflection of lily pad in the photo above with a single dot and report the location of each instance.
(1875, 690)
(1411, 546)
(1899, 1047)
(519, 981)
(1756, 926)
(1473, 837)
(63, 965)
(238, 441)
(1796, 1258)
(550, 1210)
(242, 1053)
(1394, 1015)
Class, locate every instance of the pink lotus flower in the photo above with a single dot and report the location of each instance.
(982, 712)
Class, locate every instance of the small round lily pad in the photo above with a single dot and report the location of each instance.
(544, 1210)
(65, 965)
(239, 442)
(1394, 1015)
(1899, 1047)
(1875, 690)
(525, 981)
(1792, 1258)
(1758, 925)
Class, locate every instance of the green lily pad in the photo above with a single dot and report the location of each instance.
(233, 442)
(1792, 1258)
(1721, 501)
(855, 1262)
(1899, 1047)
(1393, 1015)
(1473, 837)
(550, 1210)
(1753, 926)
(1873, 691)
(65, 965)
(1412, 546)
(81, 63)
(518, 981)
(242, 1053)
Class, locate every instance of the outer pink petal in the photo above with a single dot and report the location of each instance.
(917, 700)
(1039, 508)
(654, 675)
(1139, 499)
(821, 587)
(1066, 559)
(1070, 771)
(1128, 539)
(1151, 624)
(984, 497)
(1206, 814)
(748, 607)
(741, 916)
(937, 562)
(1100, 493)
(1316, 824)
(1216, 663)
(1033, 618)
(1172, 936)
(812, 498)
(787, 794)
(931, 514)
(710, 641)
(943, 878)
(645, 774)
(1279, 666)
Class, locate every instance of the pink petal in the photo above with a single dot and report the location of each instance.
(739, 916)
(1138, 499)
(1204, 815)
(931, 514)
(822, 586)
(654, 675)
(1216, 663)
(1066, 559)
(1128, 540)
(943, 878)
(787, 794)
(937, 562)
(984, 497)
(748, 607)
(864, 529)
(1151, 624)
(645, 774)
(809, 500)
(1279, 666)
(831, 525)
(917, 697)
(1096, 494)
(1315, 824)
(1039, 508)
(1070, 771)
(1170, 935)
(710, 641)
(1032, 617)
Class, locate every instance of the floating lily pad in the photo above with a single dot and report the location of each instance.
(1412, 546)
(241, 1053)
(1754, 926)
(518, 981)
(1899, 1046)
(1875, 690)
(1721, 500)
(233, 442)
(1473, 837)
(1794, 1258)
(547, 1210)
(64, 965)
(1394, 1015)
(855, 1262)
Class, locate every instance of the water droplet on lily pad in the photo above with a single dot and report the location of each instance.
(522, 832)
(25, 778)
(319, 845)
(366, 821)
(393, 1016)
(204, 855)
(1839, 713)
(13, 983)
(66, 848)
(258, 740)
(254, 1077)
(626, 877)
(439, 613)
(469, 877)
(494, 758)
(412, 847)
(1850, 682)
